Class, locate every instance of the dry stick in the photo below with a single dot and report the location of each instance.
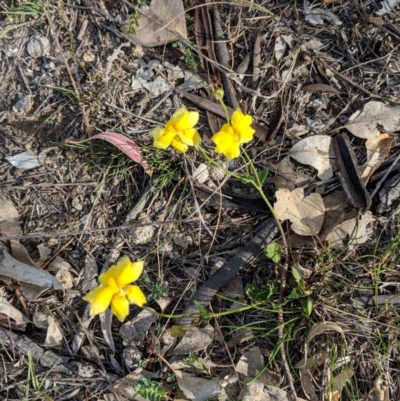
(348, 80)
(223, 58)
(71, 77)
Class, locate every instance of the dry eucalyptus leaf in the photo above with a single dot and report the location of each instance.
(305, 212)
(251, 363)
(157, 25)
(44, 253)
(31, 291)
(53, 336)
(7, 309)
(195, 339)
(364, 124)
(316, 330)
(380, 392)
(388, 6)
(355, 230)
(257, 391)
(337, 211)
(338, 383)
(288, 177)
(297, 131)
(377, 151)
(28, 274)
(201, 173)
(307, 375)
(197, 388)
(315, 151)
(90, 273)
(279, 48)
(27, 160)
(9, 218)
(136, 329)
(106, 328)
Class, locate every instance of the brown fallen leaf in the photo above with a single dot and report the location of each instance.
(195, 339)
(307, 375)
(305, 212)
(28, 274)
(338, 382)
(355, 230)
(9, 218)
(316, 330)
(30, 290)
(164, 22)
(315, 151)
(8, 310)
(287, 177)
(380, 392)
(319, 87)
(377, 151)
(364, 123)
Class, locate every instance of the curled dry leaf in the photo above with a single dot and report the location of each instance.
(315, 151)
(316, 330)
(355, 230)
(195, 339)
(377, 151)
(157, 26)
(125, 145)
(53, 336)
(364, 123)
(305, 212)
(8, 310)
(19, 271)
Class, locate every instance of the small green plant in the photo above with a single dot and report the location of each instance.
(150, 389)
(158, 290)
(34, 389)
(134, 18)
(192, 359)
(301, 293)
(189, 57)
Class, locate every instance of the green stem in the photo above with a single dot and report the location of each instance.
(217, 164)
(226, 111)
(258, 186)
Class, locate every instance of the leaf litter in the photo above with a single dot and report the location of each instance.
(48, 196)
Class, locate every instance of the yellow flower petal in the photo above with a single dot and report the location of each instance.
(240, 120)
(135, 295)
(120, 307)
(187, 120)
(179, 146)
(190, 137)
(162, 138)
(123, 272)
(100, 298)
(233, 151)
(179, 113)
(246, 134)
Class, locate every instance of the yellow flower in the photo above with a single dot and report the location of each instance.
(233, 134)
(179, 132)
(115, 289)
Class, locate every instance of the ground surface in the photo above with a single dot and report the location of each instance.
(68, 72)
